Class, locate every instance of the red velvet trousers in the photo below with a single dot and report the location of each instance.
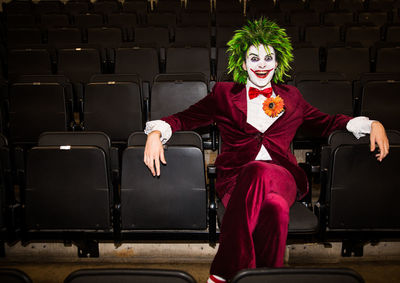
(255, 224)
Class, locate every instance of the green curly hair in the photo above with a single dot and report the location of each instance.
(259, 32)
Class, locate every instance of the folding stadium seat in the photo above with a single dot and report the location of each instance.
(387, 59)
(141, 61)
(321, 36)
(14, 275)
(76, 7)
(230, 18)
(365, 34)
(291, 5)
(48, 7)
(177, 60)
(306, 59)
(372, 105)
(304, 17)
(138, 7)
(224, 34)
(198, 6)
(88, 20)
(152, 36)
(358, 201)
(352, 5)
(65, 36)
(24, 37)
(54, 20)
(106, 36)
(192, 36)
(18, 7)
(28, 62)
(181, 93)
(113, 107)
(69, 193)
(378, 18)
(195, 19)
(338, 18)
(162, 19)
(298, 275)
(321, 6)
(172, 206)
(106, 7)
(229, 6)
(79, 64)
(129, 275)
(392, 33)
(294, 33)
(352, 61)
(171, 6)
(122, 19)
(383, 5)
(38, 107)
(261, 5)
(20, 20)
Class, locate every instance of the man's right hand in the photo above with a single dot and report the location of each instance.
(154, 152)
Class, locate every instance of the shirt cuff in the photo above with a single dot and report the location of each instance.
(159, 125)
(359, 126)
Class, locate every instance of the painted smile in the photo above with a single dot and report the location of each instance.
(262, 74)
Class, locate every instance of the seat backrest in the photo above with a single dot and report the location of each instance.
(177, 60)
(192, 36)
(177, 200)
(114, 108)
(128, 275)
(88, 20)
(29, 62)
(36, 108)
(12, 275)
(306, 59)
(298, 275)
(387, 59)
(374, 93)
(179, 94)
(67, 188)
(141, 61)
(105, 36)
(366, 35)
(152, 35)
(66, 35)
(361, 192)
(322, 35)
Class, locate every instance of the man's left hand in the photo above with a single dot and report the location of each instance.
(378, 136)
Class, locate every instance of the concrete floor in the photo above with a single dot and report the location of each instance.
(46, 263)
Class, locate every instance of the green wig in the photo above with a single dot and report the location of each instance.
(259, 32)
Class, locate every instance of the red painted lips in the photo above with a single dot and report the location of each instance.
(262, 74)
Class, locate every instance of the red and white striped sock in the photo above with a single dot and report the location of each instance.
(215, 279)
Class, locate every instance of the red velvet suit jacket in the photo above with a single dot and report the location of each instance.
(227, 106)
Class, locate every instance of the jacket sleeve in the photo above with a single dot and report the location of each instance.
(199, 114)
(320, 123)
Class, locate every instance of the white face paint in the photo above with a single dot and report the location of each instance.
(260, 65)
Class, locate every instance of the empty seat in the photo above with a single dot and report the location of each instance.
(162, 19)
(54, 20)
(374, 93)
(24, 37)
(230, 18)
(198, 6)
(387, 59)
(17, 7)
(179, 193)
(114, 108)
(65, 36)
(231, 6)
(378, 18)
(352, 5)
(48, 7)
(106, 7)
(321, 5)
(88, 20)
(155, 36)
(222, 65)
(338, 18)
(128, 275)
(192, 36)
(58, 206)
(180, 94)
(14, 275)
(298, 275)
(366, 35)
(79, 64)
(172, 6)
(77, 7)
(383, 5)
(105, 36)
(36, 108)
(141, 61)
(393, 33)
(306, 59)
(195, 19)
(177, 60)
(224, 34)
(290, 5)
(338, 59)
(362, 207)
(304, 17)
(320, 36)
(20, 20)
(28, 62)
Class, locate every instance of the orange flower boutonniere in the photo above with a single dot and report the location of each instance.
(273, 106)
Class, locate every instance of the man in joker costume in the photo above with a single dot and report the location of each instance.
(258, 178)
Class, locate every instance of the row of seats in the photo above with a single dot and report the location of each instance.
(79, 64)
(106, 275)
(71, 188)
(120, 104)
(160, 36)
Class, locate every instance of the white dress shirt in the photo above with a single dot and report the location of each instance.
(359, 126)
